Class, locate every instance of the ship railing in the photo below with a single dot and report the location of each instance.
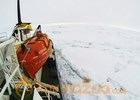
(3, 37)
(10, 67)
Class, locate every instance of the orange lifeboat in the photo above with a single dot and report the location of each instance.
(34, 52)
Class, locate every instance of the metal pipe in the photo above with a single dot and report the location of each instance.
(23, 94)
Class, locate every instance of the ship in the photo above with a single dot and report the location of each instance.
(28, 69)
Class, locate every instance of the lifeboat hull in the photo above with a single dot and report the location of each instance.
(34, 53)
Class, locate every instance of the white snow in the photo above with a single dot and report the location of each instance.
(129, 79)
(99, 53)
(93, 61)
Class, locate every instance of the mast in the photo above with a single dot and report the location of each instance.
(18, 12)
(21, 29)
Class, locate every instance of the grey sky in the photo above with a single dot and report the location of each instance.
(120, 13)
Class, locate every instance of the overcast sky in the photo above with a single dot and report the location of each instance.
(120, 13)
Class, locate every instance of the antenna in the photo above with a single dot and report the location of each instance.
(18, 12)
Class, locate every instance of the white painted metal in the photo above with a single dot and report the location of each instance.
(7, 42)
(10, 66)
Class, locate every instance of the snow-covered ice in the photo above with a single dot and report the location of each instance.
(102, 54)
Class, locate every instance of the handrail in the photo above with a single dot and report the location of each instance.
(7, 42)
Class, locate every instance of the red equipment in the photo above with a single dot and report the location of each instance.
(34, 52)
